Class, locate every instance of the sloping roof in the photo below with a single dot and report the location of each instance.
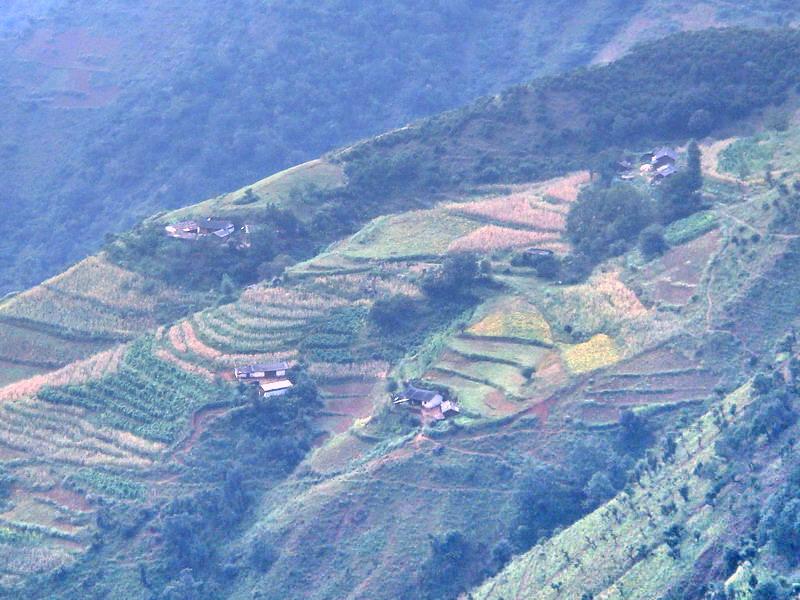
(665, 152)
(275, 386)
(415, 394)
(257, 368)
(218, 227)
(182, 226)
(450, 406)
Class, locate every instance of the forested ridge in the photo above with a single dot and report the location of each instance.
(213, 96)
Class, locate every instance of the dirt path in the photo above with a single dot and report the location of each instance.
(201, 420)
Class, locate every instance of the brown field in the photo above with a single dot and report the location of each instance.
(675, 277)
(93, 367)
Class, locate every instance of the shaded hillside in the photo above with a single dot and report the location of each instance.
(109, 107)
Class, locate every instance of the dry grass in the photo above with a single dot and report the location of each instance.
(81, 371)
(566, 188)
(600, 351)
(518, 209)
(618, 295)
(493, 237)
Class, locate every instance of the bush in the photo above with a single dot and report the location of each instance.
(652, 242)
(393, 313)
(454, 278)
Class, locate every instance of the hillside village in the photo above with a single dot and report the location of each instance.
(605, 366)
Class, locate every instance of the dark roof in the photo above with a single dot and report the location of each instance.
(666, 170)
(665, 152)
(217, 224)
(257, 368)
(415, 394)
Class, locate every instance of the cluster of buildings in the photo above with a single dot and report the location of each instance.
(194, 230)
(432, 404)
(271, 378)
(656, 165)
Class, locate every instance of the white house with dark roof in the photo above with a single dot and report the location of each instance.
(431, 402)
(271, 378)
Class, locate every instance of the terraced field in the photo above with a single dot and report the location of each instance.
(88, 308)
(658, 378)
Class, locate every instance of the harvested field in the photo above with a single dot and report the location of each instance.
(517, 209)
(78, 372)
(389, 238)
(494, 237)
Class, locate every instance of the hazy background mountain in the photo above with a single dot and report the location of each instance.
(112, 110)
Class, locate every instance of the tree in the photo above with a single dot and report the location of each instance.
(393, 313)
(701, 122)
(679, 195)
(456, 275)
(597, 490)
(652, 242)
(604, 221)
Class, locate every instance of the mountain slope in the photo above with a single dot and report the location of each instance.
(108, 109)
(142, 471)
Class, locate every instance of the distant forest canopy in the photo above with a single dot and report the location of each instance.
(183, 101)
(686, 85)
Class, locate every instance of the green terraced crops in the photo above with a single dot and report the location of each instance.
(146, 396)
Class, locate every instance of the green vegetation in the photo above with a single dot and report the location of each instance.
(605, 221)
(598, 438)
(146, 396)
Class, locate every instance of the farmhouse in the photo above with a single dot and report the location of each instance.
(430, 403)
(663, 157)
(415, 396)
(271, 378)
(273, 370)
(193, 230)
(537, 252)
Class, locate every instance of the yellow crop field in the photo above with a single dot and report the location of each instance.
(599, 351)
(513, 318)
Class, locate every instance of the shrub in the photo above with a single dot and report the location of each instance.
(604, 221)
(393, 313)
(652, 242)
